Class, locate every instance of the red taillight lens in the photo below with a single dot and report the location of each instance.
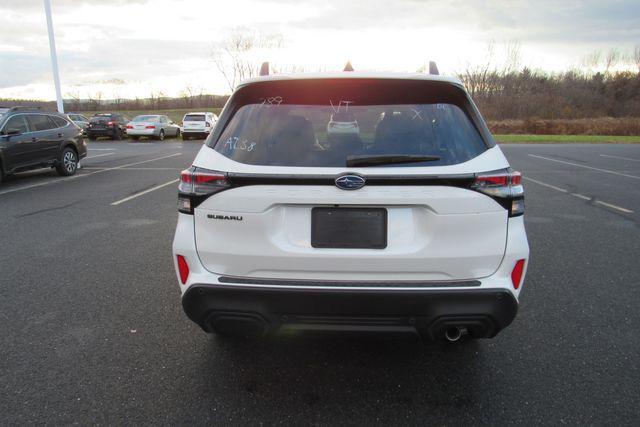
(111, 123)
(183, 269)
(196, 184)
(505, 187)
(129, 127)
(150, 127)
(516, 274)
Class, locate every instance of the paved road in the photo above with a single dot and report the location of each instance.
(93, 330)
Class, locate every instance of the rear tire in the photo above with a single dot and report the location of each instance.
(161, 135)
(178, 134)
(67, 164)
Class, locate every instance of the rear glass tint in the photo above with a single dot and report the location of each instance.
(41, 122)
(311, 123)
(145, 119)
(194, 118)
(60, 122)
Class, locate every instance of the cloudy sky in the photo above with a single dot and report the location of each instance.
(133, 48)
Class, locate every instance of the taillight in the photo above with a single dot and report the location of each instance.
(111, 123)
(516, 274)
(150, 127)
(183, 269)
(196, 184)
(504, 186)
(129, 127)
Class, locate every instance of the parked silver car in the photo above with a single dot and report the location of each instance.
(81, 121)
(153, 127)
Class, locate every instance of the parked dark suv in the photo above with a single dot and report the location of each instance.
(31, 139)
(112, 125)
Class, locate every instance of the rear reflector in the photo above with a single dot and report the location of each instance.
(516, 274)
(183, 269)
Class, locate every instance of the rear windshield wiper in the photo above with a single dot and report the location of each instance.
(388, 159)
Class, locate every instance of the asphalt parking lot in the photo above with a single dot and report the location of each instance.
(93, 330)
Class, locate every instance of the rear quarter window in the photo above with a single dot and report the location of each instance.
(40, 122)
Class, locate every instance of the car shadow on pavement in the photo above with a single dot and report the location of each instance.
(340, 373)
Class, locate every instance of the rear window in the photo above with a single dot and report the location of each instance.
(194, 118)
(145, 119)
(344, 116)
(59, 121)
(274, 132)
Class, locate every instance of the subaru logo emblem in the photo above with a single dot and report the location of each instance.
(350, 182)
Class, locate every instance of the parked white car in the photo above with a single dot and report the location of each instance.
(153, 127)
(413, 225)
(198, 125)
(343, 122)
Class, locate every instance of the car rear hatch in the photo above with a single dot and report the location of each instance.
(288, 214)
(194, 122)
(100, 122)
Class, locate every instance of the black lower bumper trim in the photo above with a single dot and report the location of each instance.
(262, 311)
(350, 283)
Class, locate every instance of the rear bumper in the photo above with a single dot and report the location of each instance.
(260, 311)
(195, 133)
(102, 132)
(142, 132)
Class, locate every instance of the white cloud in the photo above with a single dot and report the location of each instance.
(165, 45)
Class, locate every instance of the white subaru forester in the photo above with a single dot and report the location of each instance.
(414, 223)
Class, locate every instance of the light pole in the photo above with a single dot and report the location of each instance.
(54, 56)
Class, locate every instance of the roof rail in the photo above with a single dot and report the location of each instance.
(20, 108)
(264, 69)
(433, 68)
(348, 67)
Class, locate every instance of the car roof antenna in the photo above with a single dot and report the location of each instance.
(264, 69)
(348, 67)
(433, 68)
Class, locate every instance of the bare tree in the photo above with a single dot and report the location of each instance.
(512, 56)
(635, 56)
(235, 56)
(592, 60)
(611, 59)
(75, 100)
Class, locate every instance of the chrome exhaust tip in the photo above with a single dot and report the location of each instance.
(454, 333)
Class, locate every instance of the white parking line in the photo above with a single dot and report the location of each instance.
(553, 187)
(609, 205)
(586, 167)
(620, 157)
(99, 155)
(40, 184)
(578, 195)
(133, 196)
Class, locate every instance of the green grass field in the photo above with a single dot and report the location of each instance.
(568, 139)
